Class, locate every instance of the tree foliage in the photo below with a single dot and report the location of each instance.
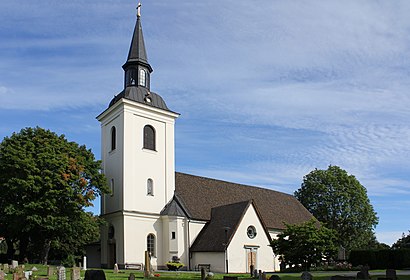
(340, 202)
(46, 182)
(305, 244)
(403, 242)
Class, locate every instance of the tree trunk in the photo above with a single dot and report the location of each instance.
(10, 249)
(23, 249)
(46, 250)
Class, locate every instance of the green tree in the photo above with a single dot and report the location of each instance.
(403, 242)
(340, 202)
(46, 183)
(305, 244)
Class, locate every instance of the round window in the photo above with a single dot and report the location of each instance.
(251, 231)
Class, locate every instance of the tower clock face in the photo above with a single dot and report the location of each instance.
(251, 231)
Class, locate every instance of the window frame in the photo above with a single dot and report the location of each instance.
(151, 244)
(113, 133)
(149, 138)
(150, 187)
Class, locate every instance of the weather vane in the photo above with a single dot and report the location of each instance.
(139, 9)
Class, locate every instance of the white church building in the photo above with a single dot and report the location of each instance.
(152, 208)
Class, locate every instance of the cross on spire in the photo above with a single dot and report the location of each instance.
(139, 9)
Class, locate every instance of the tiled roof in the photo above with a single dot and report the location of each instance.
(199, 195)
(218, 232)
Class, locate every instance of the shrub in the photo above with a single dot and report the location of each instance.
(174, 266)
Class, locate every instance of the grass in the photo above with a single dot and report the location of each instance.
(171, 275)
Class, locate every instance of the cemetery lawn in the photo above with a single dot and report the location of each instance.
(171, 275)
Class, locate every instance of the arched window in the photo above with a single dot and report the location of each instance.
(113, 138)
(142, 78)
(150, 187)
(151, 244)
(149, 137)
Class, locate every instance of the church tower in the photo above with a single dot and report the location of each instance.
(137, 142)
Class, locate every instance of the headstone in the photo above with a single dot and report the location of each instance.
(363, 273)
(202, 273)
(75, 273)
(50, 271)
(14, 264)
(61, 273)
(255, 273)
(34, 269)
(260, 274)
(84, 263)
(94, 275)
(116, 270)
(2, 275)
(6, 268)
(147, 267)
(391, 274)
(264, 275)
(131, 277)
(306, 276)
(27, 274)
(274, 277)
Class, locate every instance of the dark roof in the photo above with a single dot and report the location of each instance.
(200, 195)
(218, 232)
(140, 95)
(137, 53)
(175, 207)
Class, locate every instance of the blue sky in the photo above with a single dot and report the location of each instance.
(267, 90)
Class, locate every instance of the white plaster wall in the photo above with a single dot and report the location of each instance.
(237, 254)
(195, 228)
(136, 229)
(112, 161)
(215, 259)
(116, 220)
(142, 164)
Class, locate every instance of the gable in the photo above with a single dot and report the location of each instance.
(223, 227)
(200, 195)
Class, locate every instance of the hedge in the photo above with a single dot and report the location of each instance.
(381, 259)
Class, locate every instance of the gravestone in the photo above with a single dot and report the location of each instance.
(50, 271)
(2, 275)
(202, 273)
(75, 273)
(84, 263)
(363, 273)
(27, 274)
(255, 273)
(61, 273)
(306, 276)
(391, 274)
(6, 268)
(14, 264)
(131, 277)
(116, 270)
(94, 275)
(34, 269)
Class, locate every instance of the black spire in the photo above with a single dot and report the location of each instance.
(137, 69)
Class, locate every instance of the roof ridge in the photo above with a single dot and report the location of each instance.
(233, 183)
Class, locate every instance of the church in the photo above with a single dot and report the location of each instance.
(201, 221)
